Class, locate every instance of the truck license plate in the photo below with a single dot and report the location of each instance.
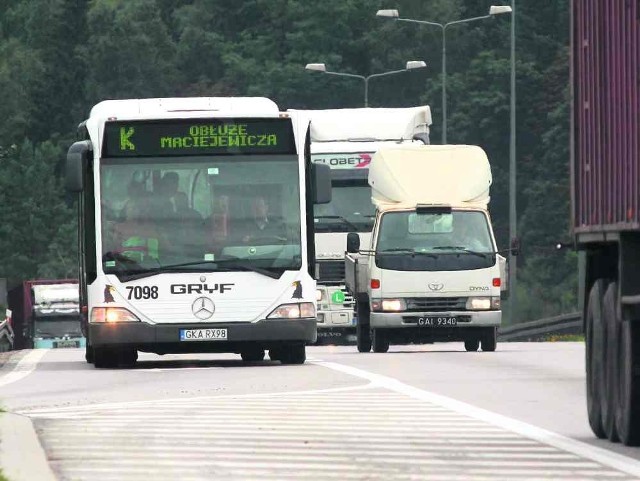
(437, 321)
(203, 334)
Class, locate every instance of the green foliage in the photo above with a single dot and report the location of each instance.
(32, 211)
(60, 57)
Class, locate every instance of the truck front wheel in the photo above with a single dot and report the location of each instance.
(594, 351)
(363, 331)
(609, 398)
(380, 341)
(627, 413)
(489, 340)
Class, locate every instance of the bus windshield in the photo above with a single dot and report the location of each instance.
(350, 209)
(200, 213)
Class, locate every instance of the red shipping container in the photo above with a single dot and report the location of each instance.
(606, 115)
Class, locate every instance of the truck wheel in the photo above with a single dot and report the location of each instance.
(380, 341)
(489, 341)
(471, 345)
(610, 366)
(294, 354)
(252, 355)
(627, 414)
(89, 354)
(363, 331)
(594, 351)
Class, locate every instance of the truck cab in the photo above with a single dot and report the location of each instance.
(431, 271)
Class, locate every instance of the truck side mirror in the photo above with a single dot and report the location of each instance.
(321, 178)
(515, 246)
(77, 159)
(353, 242)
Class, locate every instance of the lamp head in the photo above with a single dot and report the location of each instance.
(499, 9)
(316, 67)
(393, 14)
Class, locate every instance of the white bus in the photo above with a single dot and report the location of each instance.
(345, 140)
(196, 229)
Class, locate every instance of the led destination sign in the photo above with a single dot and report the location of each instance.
(198, 137)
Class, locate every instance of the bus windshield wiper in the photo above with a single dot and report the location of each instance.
(404, 250)
(233, 264)
(217, 266)
(339, 217)
(462, 249)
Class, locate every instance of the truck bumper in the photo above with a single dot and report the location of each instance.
(165, 338)
(410, 319)
(336, 327)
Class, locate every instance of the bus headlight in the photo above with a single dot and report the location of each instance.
(483, 303)
(319, 295)
(293, 311)
(112, 315)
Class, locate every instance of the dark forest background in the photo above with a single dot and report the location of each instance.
(60, 57)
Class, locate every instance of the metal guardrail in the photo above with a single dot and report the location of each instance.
(542, 328)
(6, 336)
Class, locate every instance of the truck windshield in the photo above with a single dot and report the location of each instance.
(160, 213)
(455, 241)
(350, 209)
(52, 327)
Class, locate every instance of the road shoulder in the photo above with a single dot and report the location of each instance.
(22, 457)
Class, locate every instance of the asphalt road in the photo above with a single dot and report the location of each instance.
(418, 412)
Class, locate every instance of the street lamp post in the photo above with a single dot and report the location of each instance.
(320, 67)
(393, 14)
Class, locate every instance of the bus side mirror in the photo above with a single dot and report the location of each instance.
(353, 242)
(77, 159)
(321, 178)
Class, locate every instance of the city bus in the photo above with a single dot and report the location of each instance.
(196, 229)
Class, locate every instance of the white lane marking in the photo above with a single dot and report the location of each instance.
(25, 366)
(602, 456)
(171, 402)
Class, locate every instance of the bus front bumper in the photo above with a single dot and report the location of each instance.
(169, 338)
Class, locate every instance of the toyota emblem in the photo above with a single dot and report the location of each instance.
(203, 308)
(436, 286)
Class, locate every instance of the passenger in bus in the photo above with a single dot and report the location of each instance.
(263, 228)
(188, 227)
(136, 238)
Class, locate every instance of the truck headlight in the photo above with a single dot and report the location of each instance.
(319, 295)
(293, 311)
(112, 315)
(483, 303)
(388, 305)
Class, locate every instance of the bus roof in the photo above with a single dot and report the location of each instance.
(185, 107)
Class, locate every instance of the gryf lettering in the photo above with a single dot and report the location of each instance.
(125, 138)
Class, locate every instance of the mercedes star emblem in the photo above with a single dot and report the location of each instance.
(203, 308)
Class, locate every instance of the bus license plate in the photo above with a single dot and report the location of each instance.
(203, 334)
(437, 321)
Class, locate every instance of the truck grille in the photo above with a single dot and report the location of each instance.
(436, 304)
(330, 271)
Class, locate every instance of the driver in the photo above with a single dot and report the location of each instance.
(263, 227)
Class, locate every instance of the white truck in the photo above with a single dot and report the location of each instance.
(345, 140)
(430, 271)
